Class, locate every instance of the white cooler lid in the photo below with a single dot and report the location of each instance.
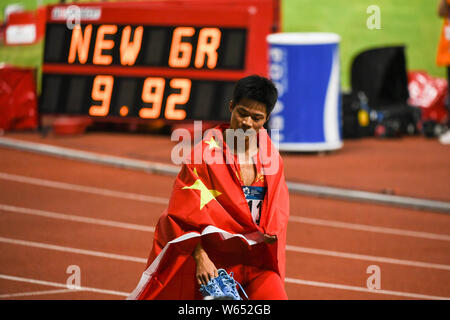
(294, 38)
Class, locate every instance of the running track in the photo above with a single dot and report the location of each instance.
(56, 213)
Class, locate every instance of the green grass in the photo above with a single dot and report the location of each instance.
(413, 23)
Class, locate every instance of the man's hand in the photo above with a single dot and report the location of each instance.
(206, 270)
(269, 239)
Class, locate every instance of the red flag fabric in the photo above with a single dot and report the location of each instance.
(208, 205)
(18, 98)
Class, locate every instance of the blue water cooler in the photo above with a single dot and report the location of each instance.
(305, 70)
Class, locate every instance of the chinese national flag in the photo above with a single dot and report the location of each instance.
(207, 204)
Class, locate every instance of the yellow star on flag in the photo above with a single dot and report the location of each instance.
(259, 177)
(206, 195)
(212, 144)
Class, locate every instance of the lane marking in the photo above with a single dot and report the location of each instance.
(167, 169)
(287, 280)
(368, 228)
(67, 153)
(69, 217)
(131, 226)
(292, 248)
(72, 250)
(291, 280)
(61, 285)
(35, 293)
(161, 200)
(362, 289)
(85, 189)
(365, 196)
(355, 256)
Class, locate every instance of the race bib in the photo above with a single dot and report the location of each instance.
(255, 198)
(447, 32)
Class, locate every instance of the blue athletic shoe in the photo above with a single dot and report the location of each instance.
(223, 287)
(228, 285)
(212, 290)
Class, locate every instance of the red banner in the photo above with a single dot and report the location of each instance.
(18, 101)
(26, 27)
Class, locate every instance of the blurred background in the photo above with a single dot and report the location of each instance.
(414, 24)
(362, 25)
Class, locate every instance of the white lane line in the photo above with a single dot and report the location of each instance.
(292, 248)
(147, 166)
(365, 196)
(288, 248)
(362, 227)
(160, 168)
(141, 260)
(354, 256)
(85, 189)
(160, 200)
(69, 217)
(362, 289)
(72, 250)
(287, 280)
(34, 293)
(61, 285)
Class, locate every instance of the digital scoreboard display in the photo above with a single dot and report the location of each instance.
(172, 60)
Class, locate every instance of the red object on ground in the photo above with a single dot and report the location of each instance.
(430, 94)
(18, 100)
(70, 125)
(380, 130)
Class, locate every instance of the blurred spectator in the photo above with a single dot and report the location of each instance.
(443, 55)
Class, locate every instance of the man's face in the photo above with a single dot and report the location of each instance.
(248, 114)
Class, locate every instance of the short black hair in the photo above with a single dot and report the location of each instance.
(256, 88)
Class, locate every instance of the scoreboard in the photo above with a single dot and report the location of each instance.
(171, 60)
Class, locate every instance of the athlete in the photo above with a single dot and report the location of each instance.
(228, 211)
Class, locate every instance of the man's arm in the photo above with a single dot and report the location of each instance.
(206, 270)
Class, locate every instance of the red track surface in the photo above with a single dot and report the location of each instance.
(42, 230)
